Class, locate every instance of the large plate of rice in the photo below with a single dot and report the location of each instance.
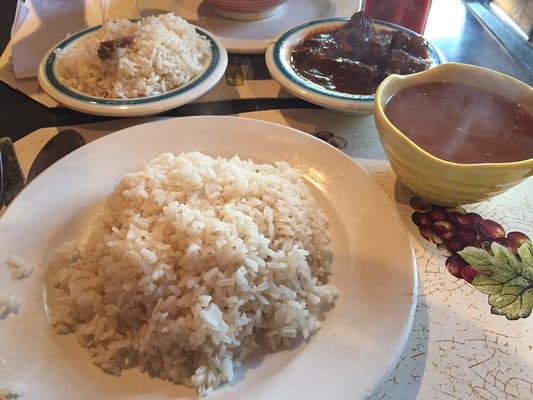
(133, 67)
(205, 256)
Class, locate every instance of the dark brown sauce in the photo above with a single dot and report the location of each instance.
(462, 123)
(355, 58)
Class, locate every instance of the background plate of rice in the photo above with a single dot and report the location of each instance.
(373, 268)
(169, 63)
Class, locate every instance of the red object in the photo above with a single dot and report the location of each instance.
(412, 14)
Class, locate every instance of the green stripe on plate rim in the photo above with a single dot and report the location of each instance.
(51, 76)
(290, 74)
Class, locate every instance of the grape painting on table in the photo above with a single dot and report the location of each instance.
(479, 251)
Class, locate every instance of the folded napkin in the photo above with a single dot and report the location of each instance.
(39, 24)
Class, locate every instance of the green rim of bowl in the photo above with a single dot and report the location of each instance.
(291, 75)
(51, 76)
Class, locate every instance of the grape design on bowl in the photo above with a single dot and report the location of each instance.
(479, 251)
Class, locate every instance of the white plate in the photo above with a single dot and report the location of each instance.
(278, 61)
(374, 268)
(252, 37)
(214, 69)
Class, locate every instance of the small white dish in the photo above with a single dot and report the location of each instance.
(253, 37)
(247, 10)
(278, 61)
(214, 70)
(359, 341)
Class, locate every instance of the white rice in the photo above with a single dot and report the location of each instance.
(166, 53)
(194, 262)
(8, 306)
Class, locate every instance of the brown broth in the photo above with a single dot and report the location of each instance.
(462, 123)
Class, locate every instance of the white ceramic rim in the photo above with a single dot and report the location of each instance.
(243, 45)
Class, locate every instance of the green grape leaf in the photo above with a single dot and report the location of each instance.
(526, 254)
(507, 279)
(488, 285)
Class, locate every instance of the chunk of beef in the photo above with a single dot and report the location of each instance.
(361, 26)
(346, 41)
(341, 74)
(107, 49)
(325, 42)
(403, 63)
(415, 45)
(309, 58)
(400, 41)
(418, 47)
(377, 48)
(353, 37)
(355, 77)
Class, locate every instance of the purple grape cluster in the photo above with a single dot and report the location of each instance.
(454, 229)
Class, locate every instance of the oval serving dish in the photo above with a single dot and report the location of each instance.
(51, 84)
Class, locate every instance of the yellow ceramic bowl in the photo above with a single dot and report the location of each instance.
(437, 180)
